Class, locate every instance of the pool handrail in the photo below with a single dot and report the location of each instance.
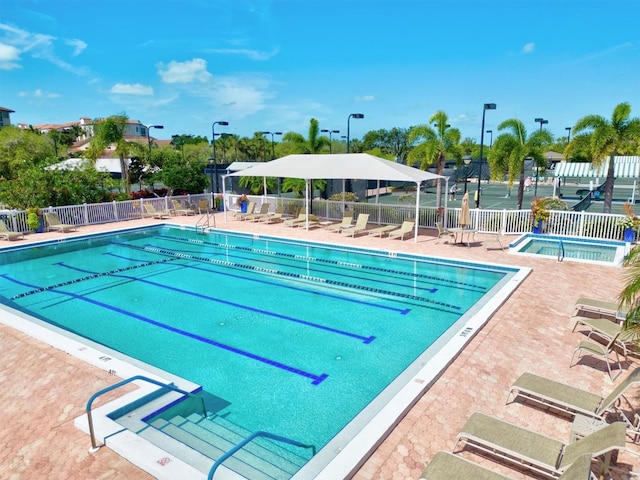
(168, 386)
(250, 438)
(560, 251)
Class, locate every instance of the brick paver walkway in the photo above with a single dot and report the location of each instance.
(42, 389)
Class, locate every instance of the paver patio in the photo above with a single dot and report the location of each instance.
(43, 389)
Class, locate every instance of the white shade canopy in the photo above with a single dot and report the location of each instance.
(341, 166)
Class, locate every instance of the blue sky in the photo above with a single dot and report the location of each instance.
(273, 65)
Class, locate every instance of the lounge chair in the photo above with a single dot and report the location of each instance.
(571, 400)
(180, 210)
(273, 217)
(534, 451)
(446, 466)
(203, 207)
(600, 308)
(359, 227)
(292, 221)
(264, 210)
(407, 227)
(302, 220)
(380, 231)
(602, 351)
(54, 223)
(152, 212)
(251, 207)
(347, 221)
(9, 234)
(607, 329)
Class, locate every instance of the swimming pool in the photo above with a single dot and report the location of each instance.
(578, 249)
(315, 338)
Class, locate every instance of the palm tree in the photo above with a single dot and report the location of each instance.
(313, 144)
(511, 148)
(606, 139)
(436, 144)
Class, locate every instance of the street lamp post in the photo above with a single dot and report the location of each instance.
(354, 115)
(542, 122)
(212, 162)
(487, 106)
(467, 161)
(159, 127)
(490, 132)
(330, 139)
(215, 161)
(273, 145)
(568, 129)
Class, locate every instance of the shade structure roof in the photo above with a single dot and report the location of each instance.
(623, 167)
(338, 166)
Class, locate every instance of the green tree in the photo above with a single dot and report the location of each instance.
(392, 143)
(21, 149)
(435, 144)
(183, 175)
(605, 140)
(314, 143)
(110, 131)
(510, 149)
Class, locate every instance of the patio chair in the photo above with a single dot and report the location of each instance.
(607, 329)
(302, 220)
(53, 223)
(598, 350)
(599, 307)
(446, 466)
(571, 400)
(273, 217)
(180, 210)
(536, 452)
(203, 207)
(347, 221)
(292, 221)
(152, 212)
(251, 207)
(441, 230)
(9, 234)
(264, 210)
(359, 227)
(407, 227)
(380, 231)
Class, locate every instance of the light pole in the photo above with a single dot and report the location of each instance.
(215, 161)
(467, 161)
(329, 132)
(568, 129)
(490, 132)
(273, 145)
(212, 162)
(158, 127)
(354, 115)
(487, 106)
(541, 121)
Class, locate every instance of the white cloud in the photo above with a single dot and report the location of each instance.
(38, 93)
(528, 48)
(9, 57)
(365, 98)
(251, 54)
(78, 46)
(184, 72)
(131, 89)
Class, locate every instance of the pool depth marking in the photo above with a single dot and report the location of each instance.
(316, 379)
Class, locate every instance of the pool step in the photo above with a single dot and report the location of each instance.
(209, 438)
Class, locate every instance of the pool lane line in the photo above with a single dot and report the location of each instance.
(365, 340)
(322, 260)
(352, 286)
(316, 379)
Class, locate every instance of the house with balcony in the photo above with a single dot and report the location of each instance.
(5, 116)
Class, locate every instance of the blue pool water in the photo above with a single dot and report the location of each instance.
(295, 339)
(605, 252)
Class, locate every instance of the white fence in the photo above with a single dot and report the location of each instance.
(581, 224)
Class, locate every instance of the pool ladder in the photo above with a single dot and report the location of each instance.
(204, 222)
(560, 251)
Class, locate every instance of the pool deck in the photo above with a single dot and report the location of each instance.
(43, 389)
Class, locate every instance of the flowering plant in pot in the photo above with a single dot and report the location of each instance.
(34, 219)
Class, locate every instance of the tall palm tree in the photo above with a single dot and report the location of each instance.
(314, 143)
(606, 139)
(435, 145)
(511, 148)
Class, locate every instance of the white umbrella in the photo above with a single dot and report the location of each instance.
(465, 214)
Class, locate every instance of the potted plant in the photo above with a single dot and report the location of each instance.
(629, 223)
(242, 202)
(539, 214)
(218, 204)
(34, 219)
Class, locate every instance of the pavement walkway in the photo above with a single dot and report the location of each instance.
(43, 389)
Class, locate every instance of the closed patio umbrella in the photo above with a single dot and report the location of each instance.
(465, 215)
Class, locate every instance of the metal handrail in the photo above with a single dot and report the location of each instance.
(250, 438)
(560, 251)
(94, 446)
